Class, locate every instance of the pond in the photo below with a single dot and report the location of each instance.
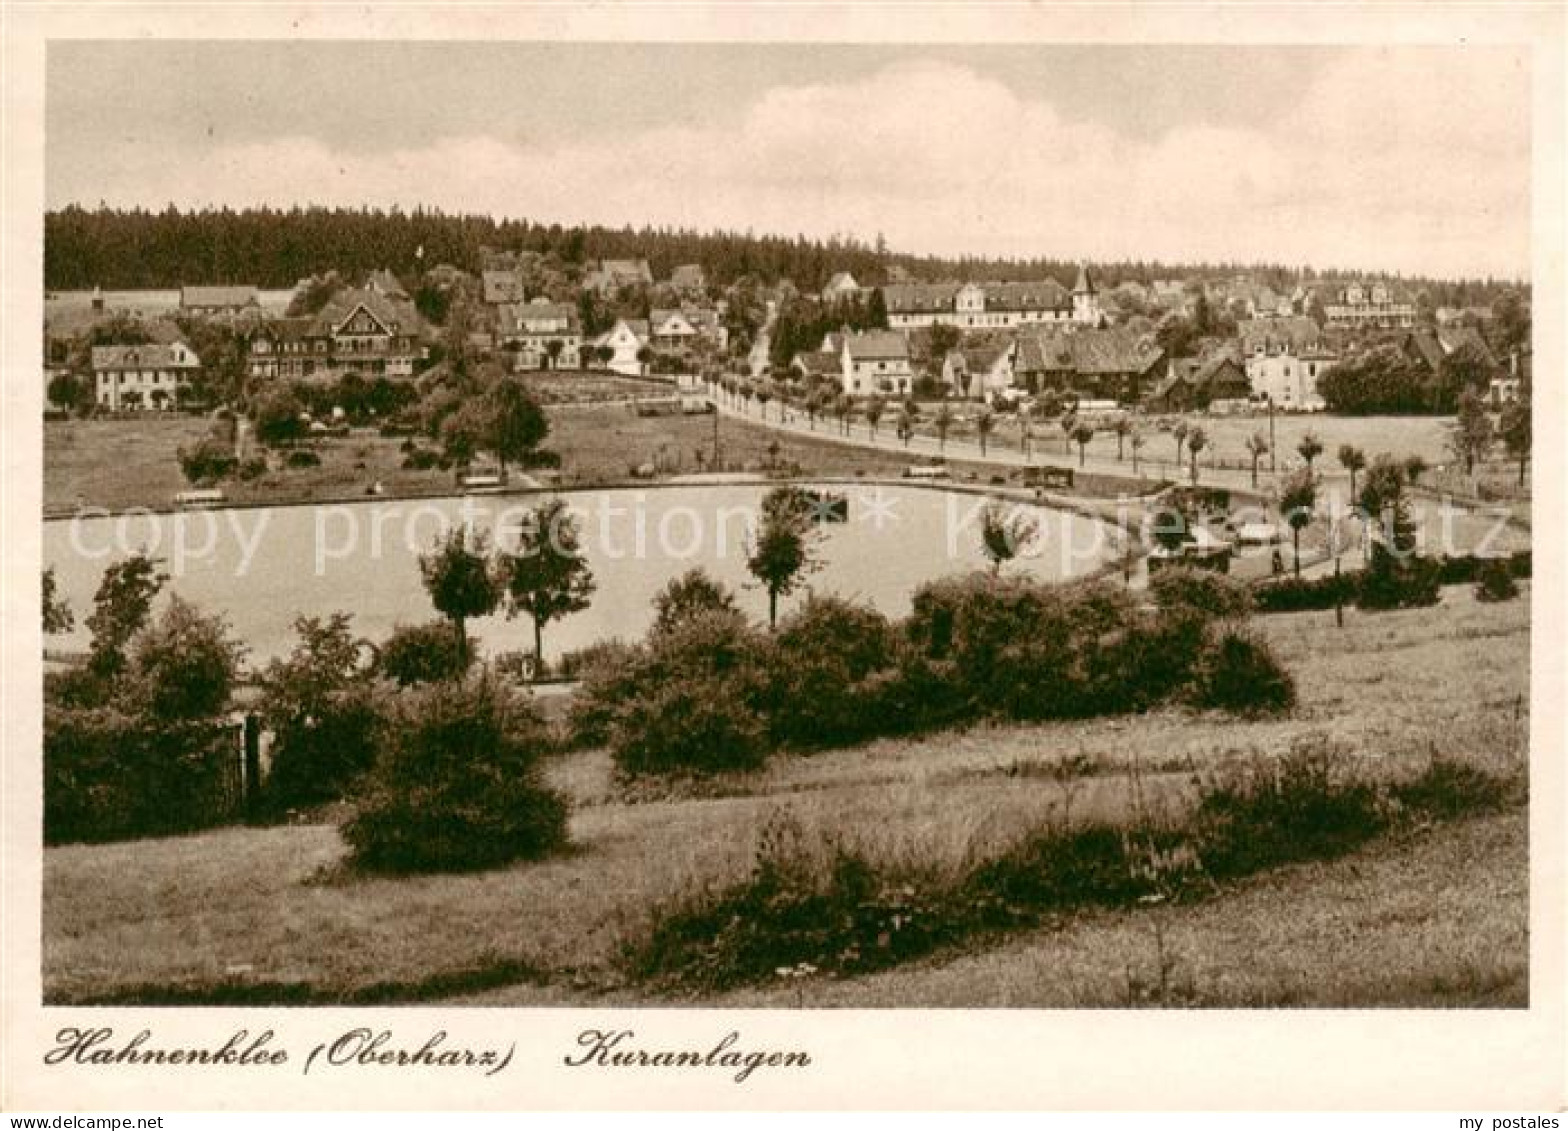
(264, 567)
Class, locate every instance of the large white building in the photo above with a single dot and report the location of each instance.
(992, 306)
(876, 361)
(1284, 359)
(1375, 305)
(142, 377)
(541, 335)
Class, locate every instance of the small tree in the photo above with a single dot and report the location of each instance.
(873, 410)
(1082, 434)
(515, 424)
(1353, 460)
(1310, 448)
(1068, 425)
(1025, 433)
(1298, 495)
(943, 423)
(781, 551)
(1179, 434)
(1196, 442)
(460, 576)
(1005, 532)
(57, 614)
(423, 653)
(317, 703)
(692, 594)
(68, 392)
(183, 665)
(985, 424)
(1414, 468)
(548, 577)
(1257, 448)
(277, 416)
(1471, 435)
(905, 424)
(121, 607)
(1123, 428)
(1515, 430)
(843, 408)
(1136, 441)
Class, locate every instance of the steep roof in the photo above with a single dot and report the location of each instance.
(878, 345)
(1047, 294)
(1296, 332)
(624, 271)
(386, 283)
(397, 317)
(919, 298)
(212, 298)
(540, 317)
(1084, 285)
(816, 363)
(151, 356)
(688, 275)
(1087, 351)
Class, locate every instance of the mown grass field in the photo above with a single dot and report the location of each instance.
(272, 913)
(131, 463)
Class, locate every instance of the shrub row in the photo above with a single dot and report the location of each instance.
(707, 692)
(109, 775)
(808, 908)
(1294, 595)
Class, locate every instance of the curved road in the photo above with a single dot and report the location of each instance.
(859, 435)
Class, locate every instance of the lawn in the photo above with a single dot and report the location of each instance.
(133, 462)
(272, 913)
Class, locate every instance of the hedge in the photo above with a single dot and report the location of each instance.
(1295, 595)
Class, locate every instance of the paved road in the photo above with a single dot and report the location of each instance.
(859, 435)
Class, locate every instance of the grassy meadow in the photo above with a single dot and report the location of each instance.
(272, 914)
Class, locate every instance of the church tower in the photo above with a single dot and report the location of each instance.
(1086, 300)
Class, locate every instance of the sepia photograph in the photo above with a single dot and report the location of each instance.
(765, 525)
(636, 543)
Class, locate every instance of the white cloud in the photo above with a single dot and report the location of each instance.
(1417, 161)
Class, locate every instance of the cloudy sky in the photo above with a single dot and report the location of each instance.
(1413, 159)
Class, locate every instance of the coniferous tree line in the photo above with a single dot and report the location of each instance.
(276, 247)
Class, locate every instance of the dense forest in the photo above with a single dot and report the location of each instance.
(275, 248)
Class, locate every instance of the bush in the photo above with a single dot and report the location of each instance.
(456, 785)
(697, 726)
(820, 660)
(109, 775)
(424, 459)
(321, 756)
(1237, 672)
(1467, 568)
(1202, 590)
(1296, 595)
(1496, 582)
(424, 653)
(608, 673)
(251, 469)
(1390, 582)
(1448, 789)
(542, 459)
(207, 462)
(692, 700)
(302, 457)
(1308, 805)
